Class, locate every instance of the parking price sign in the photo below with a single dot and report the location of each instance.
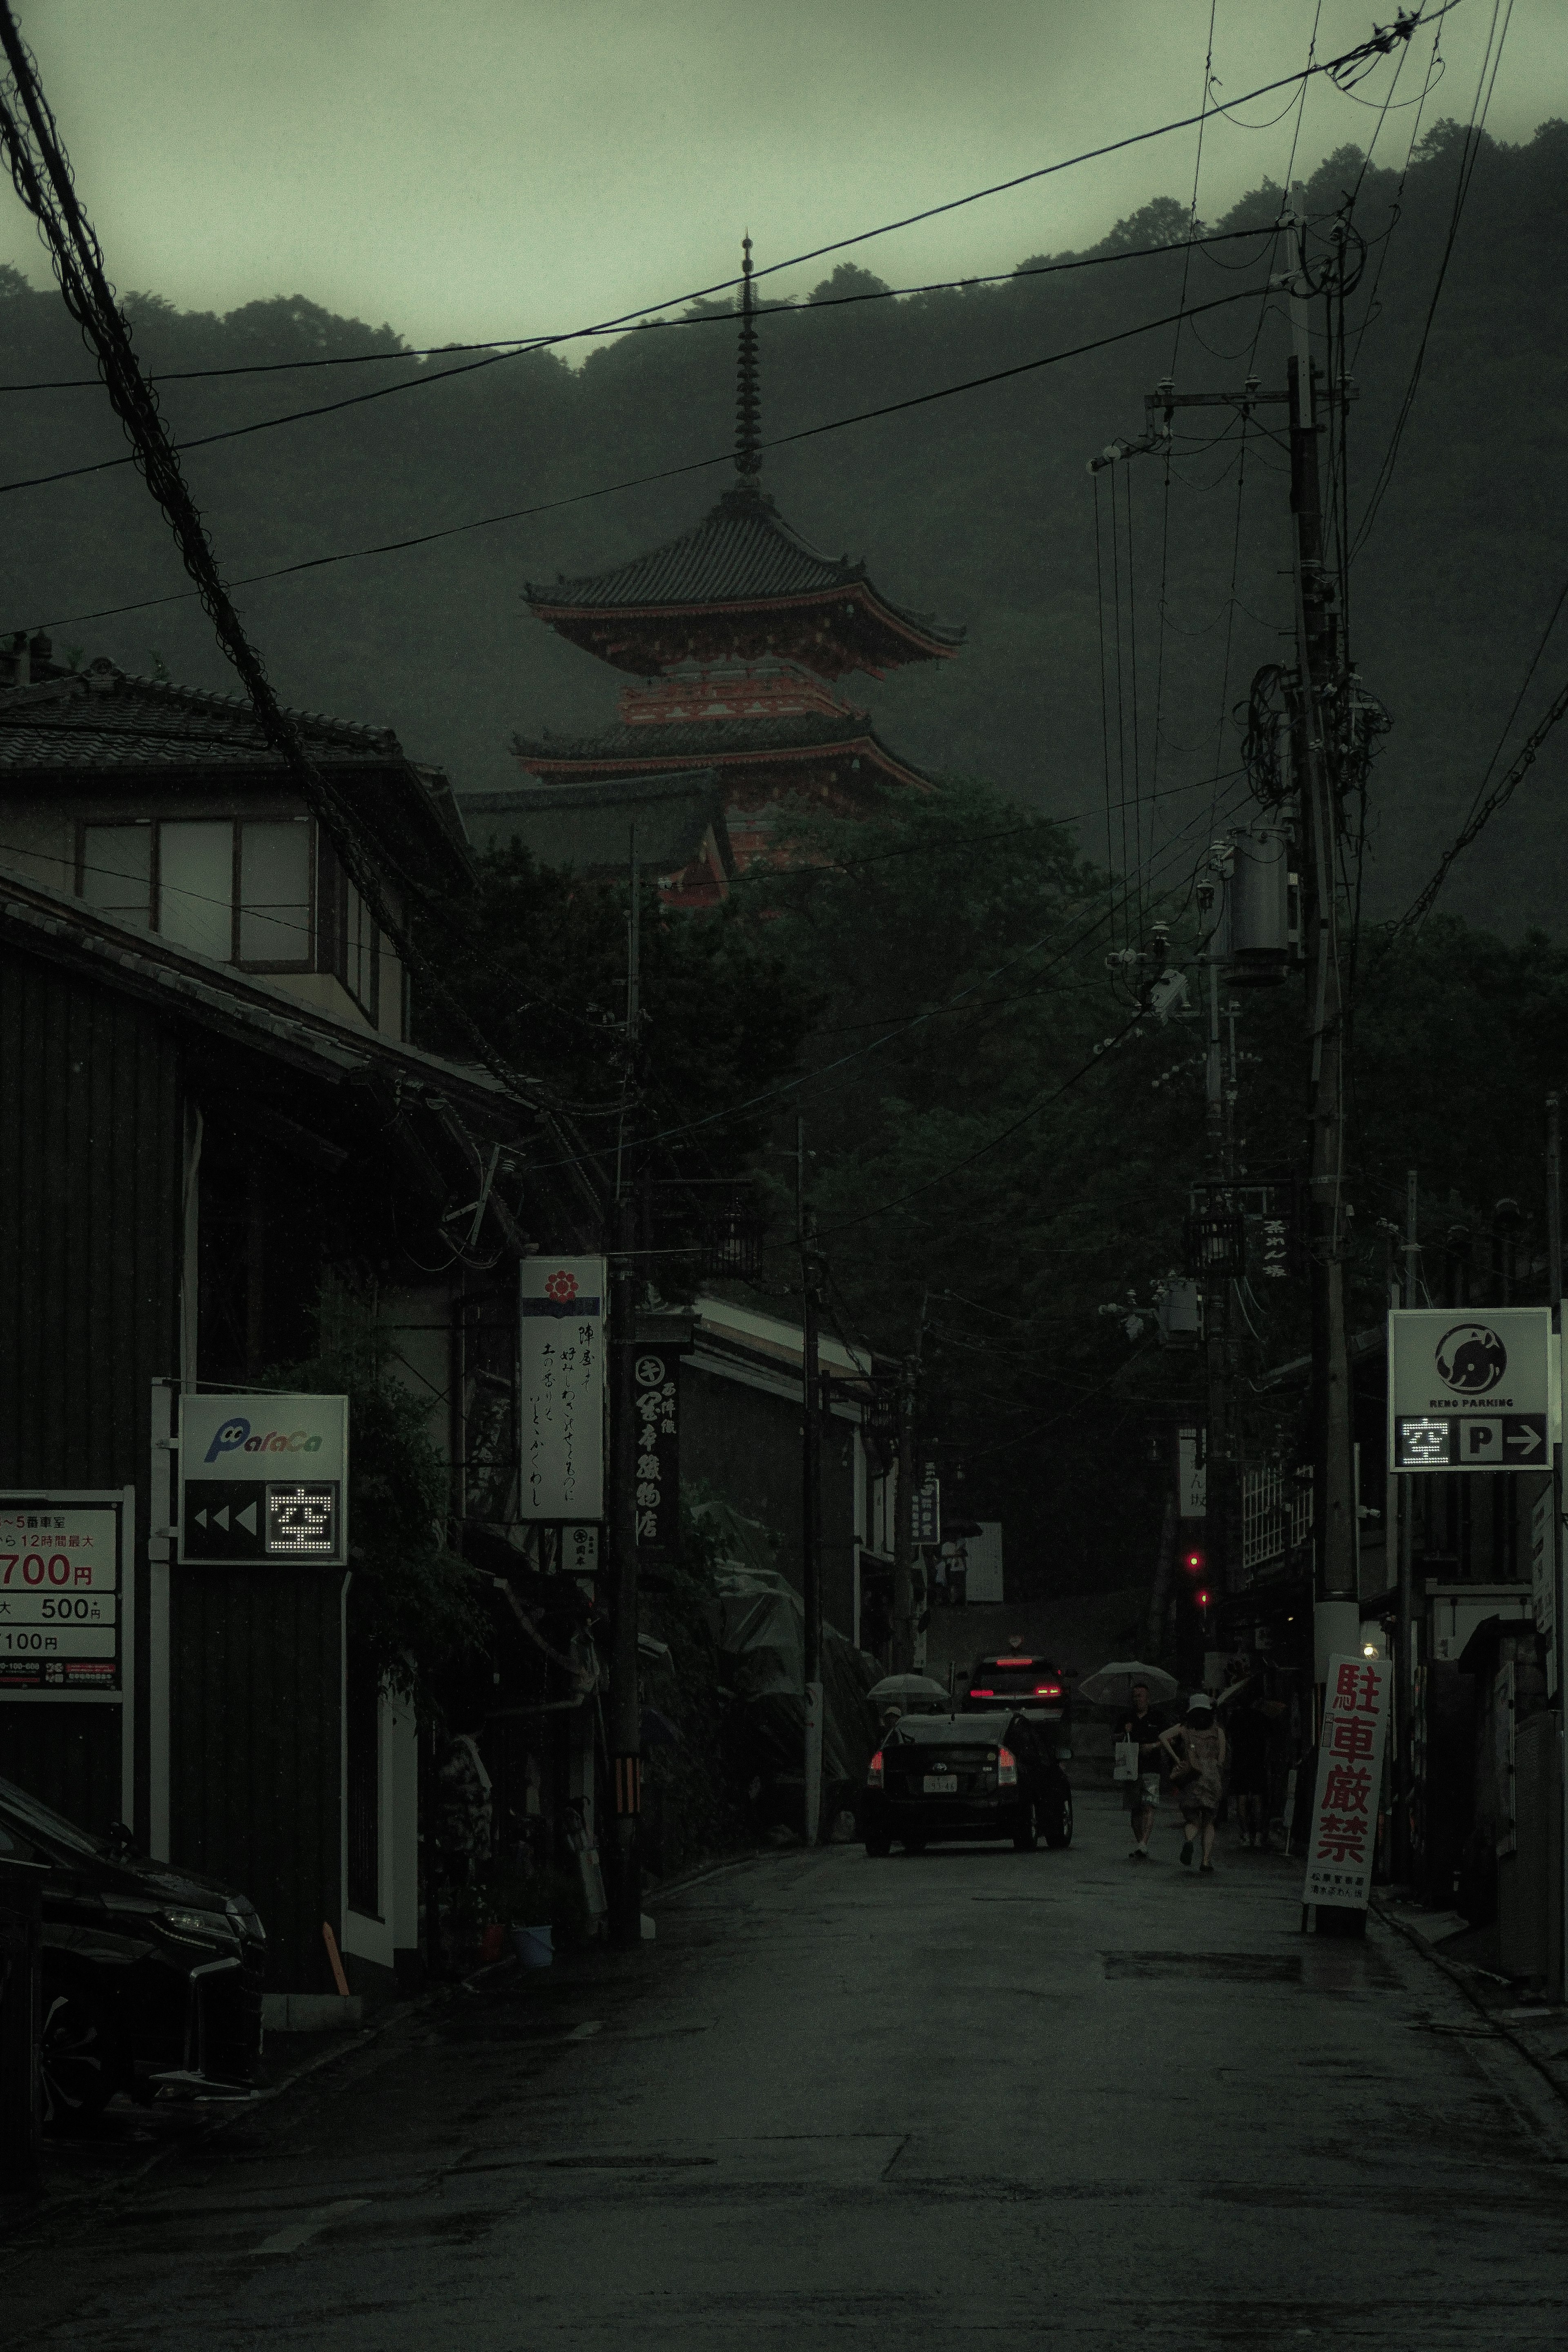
(1471, 1391)
(61, 1590)
(263, 1478)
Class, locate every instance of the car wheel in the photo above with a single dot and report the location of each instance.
(77, 2059)
(879, 1847)
(1060, 1832)
(914, 1845)
(1027, 1836)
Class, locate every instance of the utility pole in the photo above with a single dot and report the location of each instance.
(904, 1530)
(811, 1489)
(1333, 1476)
(1558, 1658)
(1405, 1690)
(625, 1701)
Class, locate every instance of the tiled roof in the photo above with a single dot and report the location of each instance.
(741, 552)
(100, 717)
(587, 824)
(641, 744)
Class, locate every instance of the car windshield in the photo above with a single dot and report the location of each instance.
(41, 1821)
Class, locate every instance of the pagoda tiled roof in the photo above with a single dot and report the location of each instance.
(741, 553)
(716, 742)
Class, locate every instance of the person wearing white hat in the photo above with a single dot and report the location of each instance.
(1198, 1777)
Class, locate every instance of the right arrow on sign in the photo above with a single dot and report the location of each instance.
(1522, 1439)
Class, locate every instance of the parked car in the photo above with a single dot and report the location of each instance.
(965, 1776)
(1033, 1685)
(151, 1975)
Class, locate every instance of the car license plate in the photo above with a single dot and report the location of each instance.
(941, 1784)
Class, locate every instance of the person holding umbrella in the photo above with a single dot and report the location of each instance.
(1141, 1723)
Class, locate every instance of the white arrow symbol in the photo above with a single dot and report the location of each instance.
(201, 1518)
(1527, 1440)
(220, 1518)
(246, 1518)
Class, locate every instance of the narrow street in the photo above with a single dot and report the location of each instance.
(993, 2098)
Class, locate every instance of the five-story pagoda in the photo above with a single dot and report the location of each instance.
(732, 639)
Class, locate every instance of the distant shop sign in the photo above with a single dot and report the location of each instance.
(657, 1494)
(1471, 1391)
(263, 1478)
(561, 1345)
(64, 1593)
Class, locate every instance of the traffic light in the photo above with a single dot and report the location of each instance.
(1193, 1562)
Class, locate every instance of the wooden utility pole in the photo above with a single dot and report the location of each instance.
(811, 1490)
(1313, 751)
(624, 1890)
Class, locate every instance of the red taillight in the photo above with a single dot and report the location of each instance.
(873, 1772)
(975, 1692)
(1006, 1769)
(1048, 1690)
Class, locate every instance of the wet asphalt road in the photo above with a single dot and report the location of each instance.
(979, 2098)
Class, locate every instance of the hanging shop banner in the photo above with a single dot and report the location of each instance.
(561, 1345)
(64, 1593)
(1192, 1474)
(926, 1511)
(659, 1457)
(1471, 1391)
(1350, 1779)
(263, 1477)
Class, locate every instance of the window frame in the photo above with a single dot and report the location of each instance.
(156, 820)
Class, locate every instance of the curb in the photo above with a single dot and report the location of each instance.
(1456, 1978)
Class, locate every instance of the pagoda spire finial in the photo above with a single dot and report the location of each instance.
(748, 403)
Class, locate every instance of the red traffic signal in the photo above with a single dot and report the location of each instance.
(1193, 1562)
(1202, 1598)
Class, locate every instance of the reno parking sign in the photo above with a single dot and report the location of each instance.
(263, 1478)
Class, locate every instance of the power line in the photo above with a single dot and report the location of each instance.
(644, 322)
(643, 481)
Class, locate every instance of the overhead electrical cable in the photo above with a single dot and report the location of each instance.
(643, 322)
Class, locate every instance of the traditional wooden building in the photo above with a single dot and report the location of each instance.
(732, 639)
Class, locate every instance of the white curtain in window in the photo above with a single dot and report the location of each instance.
(195, 886)
(117, 871)
(275, 893)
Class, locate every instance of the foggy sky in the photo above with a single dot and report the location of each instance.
(495, 167)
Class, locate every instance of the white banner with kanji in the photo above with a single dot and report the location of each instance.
(1343, 1838)
(560, 1348)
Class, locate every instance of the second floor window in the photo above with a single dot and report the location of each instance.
(236, 890)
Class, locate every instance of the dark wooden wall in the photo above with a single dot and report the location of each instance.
(745, 1444)
(91, 1156)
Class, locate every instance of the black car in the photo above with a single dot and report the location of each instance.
(966, 1776)
(151, 1975)
(1033, 1685)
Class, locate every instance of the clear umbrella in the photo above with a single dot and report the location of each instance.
(906, 1686)
(1112, 1686)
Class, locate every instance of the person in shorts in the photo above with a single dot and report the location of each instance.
(1197, 1748)
(1141, 1723)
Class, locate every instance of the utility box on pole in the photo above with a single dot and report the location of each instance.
(1254, 936)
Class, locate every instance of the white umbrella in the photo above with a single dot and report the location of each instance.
(893, 1686)
(1112, 1686)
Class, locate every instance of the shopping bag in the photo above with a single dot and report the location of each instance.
(1125, 1767)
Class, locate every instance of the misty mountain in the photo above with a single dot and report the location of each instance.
(978, 508)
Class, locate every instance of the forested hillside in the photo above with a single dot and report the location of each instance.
(978, 508)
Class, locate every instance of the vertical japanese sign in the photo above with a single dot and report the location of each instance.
(60, 1593)
(659, 1457)
(1350, 1776)
(925, 1516)
(1191, 1473)
(560, 1348)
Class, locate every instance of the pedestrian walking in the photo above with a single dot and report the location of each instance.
(1198, 1746)
(1143, 1795)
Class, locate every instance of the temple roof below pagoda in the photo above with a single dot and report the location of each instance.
(741, 558)
(807, 740)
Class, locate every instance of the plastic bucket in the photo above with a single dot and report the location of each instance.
(535, 1947)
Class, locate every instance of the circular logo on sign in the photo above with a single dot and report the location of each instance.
(1471, 1359)
(650, 1371)
(561, 1286)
